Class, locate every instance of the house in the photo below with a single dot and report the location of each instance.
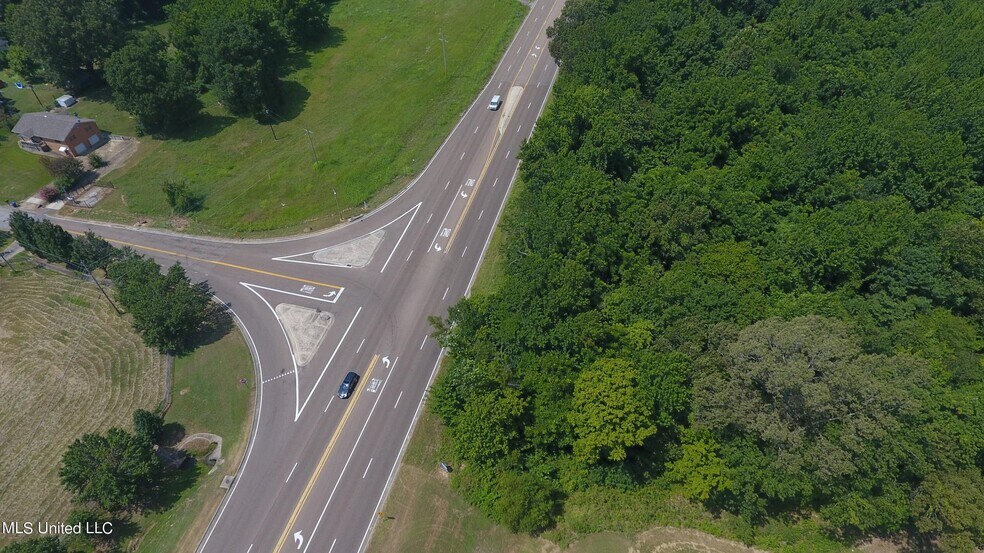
(67, 134)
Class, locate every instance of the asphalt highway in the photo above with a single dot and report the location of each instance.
(318, 468)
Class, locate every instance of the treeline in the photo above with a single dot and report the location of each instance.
(747, 266)
(237, 49)
(167, 309)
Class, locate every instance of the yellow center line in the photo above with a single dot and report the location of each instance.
(324, 459)
(222, 263)
(497, 142)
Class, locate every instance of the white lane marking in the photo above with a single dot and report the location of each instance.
(499, 87)
(398, 399)
(520, 49)
(518, 129)
(535, 20)
(507, 153)
(251, 286)
(349, 460)
(367, 468)
(463, 251)
(508, 69)
(429, 218)
(329, 403)
(476, 130)
(291, 473)
(360, 345)
(538, 83)
(250, 548)
(254, 353)
(529, 106)
(324, 370)
(272, 378)
(403, 448)
(447, 185)
(480, 214)
(446, 293)
(462, 156)
(330, 549)
(422, 342)
(402, 234)
(408, 257)
(441, 226)
(527, 33)
(495, 181)
(290, 258)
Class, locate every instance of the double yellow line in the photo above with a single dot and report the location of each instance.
(498, 138)
(324, 459)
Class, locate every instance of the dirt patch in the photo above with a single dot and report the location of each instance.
(184, 391)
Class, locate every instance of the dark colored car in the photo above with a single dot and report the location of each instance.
(348, 385)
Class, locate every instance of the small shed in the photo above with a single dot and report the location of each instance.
(66, 101)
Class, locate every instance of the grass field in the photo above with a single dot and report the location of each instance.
(374, 98)
(68, 365)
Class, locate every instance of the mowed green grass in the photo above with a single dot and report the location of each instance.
(21, 175)
(206, 397)
(375, 100)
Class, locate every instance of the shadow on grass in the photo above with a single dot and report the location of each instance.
(173, 484)
(217, 324)
(204, 125)
(293, 99)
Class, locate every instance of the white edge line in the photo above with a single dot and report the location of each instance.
(333, 300)
(258, 371)
(399, 456)
(341, 475)
(415, 210)
(293, 360)
(297, 415)
(287, 258)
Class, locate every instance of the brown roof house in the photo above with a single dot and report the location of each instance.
(66, 134)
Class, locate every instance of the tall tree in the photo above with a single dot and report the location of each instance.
(115, 470)
(66, 38)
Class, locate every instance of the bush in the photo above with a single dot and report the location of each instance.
(49, 193)
(96, 161)
(180, 196)
(66, 170)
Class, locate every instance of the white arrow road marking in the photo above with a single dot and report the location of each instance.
(298, 539)
(437, 247)
(386, 361)
(463, 195)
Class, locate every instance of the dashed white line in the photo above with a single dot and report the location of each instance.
(367, 468)
(507, 153)
(463, 251)
(499, 87)
(330, 549)
(446, 293)
(519, 128)
(408, 257)
(360, 345)
(446, 185)
(538, 83)
(397, 400)
(429, 218)
(475, 131)
(250, 548)
(495, 181)
(480, 214)
(535, 20)
(461, 158)
(329, 403)
(520, 49)
(508, 69)
(422, 342)
(529, 106)
(281, 375)
(291, 473)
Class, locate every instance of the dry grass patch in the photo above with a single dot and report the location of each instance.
(68, 366)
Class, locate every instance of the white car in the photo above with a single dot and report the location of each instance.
(495, 103)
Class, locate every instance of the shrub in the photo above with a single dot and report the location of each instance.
(49, 193)
(96, 161)
(66, 170)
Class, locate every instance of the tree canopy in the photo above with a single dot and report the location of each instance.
(114, 470)
(744, 265)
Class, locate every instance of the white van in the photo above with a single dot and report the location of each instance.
(495, 103)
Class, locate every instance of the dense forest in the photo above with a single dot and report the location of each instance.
(746, 267)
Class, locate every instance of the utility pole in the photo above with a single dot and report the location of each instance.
(5, 260)
(31, 86)
(335, 194)
(267, 112)
(311, 142)
(444, 51)
(101, 289)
